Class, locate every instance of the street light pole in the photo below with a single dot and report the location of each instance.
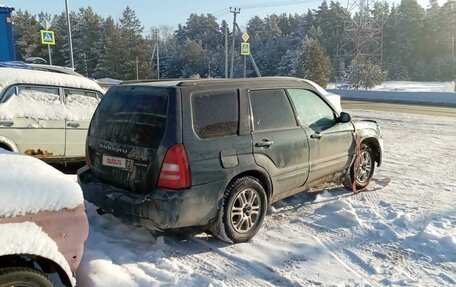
(69, 34)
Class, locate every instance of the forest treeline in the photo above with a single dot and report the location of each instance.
(418, 43)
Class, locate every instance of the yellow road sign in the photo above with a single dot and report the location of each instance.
(47, 37)
(245, 37)
(245, 49)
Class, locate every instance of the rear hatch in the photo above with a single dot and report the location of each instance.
(125, 136)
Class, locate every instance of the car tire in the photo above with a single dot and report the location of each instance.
(22, 276)
(365, 171)
(242, 211)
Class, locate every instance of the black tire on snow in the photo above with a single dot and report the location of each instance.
(222, 227)
(23, 276)
(348, 180)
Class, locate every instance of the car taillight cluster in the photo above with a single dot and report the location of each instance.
(175, 172)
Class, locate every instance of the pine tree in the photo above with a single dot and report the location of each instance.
(27, 35)
(314, 63)
(362, 73)
(86, 46)
(109, 64)
(133, 47)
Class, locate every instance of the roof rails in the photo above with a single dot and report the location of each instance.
(150, 81)
(14, 64)
(192, 82)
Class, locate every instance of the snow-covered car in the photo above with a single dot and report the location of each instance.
(43, 224)
(46, 114)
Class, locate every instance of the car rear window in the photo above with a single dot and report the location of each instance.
(215, 114)
(131, 115)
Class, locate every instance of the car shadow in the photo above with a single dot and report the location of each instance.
(68, 168)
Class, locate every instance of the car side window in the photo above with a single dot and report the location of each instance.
(312, 110)
(81, 104)
(40, 94)
(10, 92)
(215, 114)
(81, 96)
(271, 109)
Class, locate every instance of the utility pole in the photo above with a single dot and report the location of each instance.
(158, 52)
(255, 67)
(235, 11)
(137, 69)
(50, 57)
(452, 28)
(226, 50)
(69, 34)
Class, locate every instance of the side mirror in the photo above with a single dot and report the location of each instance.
(344, 117)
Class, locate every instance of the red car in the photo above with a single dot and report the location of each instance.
(43, 224)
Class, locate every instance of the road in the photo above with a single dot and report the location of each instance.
(402, 108)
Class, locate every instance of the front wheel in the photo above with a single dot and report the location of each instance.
(242, 212)
(364, 170)
(21, 276)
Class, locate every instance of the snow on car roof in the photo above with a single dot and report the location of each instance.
(11, 76)
(29, 185)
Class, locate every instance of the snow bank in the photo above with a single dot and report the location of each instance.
(410, 86)
(30, 185)
(29, 238)
(438, 98)
(118, 255)
(437, 240)
(9, 76)
(47, 106)
(338, 214)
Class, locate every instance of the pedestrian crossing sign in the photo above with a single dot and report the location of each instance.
(47, 37)
(245, 49)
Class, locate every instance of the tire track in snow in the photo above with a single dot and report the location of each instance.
(261, 270)
(196, 251)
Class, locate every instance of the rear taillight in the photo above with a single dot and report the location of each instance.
(175, 173)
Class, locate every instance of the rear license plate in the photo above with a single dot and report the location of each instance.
(114, 161)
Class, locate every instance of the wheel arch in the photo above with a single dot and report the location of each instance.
(374, 144)
(262, 177)
(8, 144)
(36, 262)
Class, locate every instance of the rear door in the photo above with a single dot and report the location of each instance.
(331, 142)
(126, 133)
(80, 105)
(280, 145)
(214, 138)
(33, 118)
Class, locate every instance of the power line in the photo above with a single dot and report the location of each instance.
(278, 3)
(440, 16)
(225, 11)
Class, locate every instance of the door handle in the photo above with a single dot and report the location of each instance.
(264, 143)
(6, 123)
(73, 125)
(316, 136)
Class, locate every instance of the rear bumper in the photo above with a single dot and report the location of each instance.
(158, 210)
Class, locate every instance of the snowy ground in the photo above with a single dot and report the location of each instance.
(403, 234)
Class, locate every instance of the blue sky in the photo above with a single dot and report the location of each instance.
(169, 12)
(154, 13)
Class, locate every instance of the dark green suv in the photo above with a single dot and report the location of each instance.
(214, 154)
